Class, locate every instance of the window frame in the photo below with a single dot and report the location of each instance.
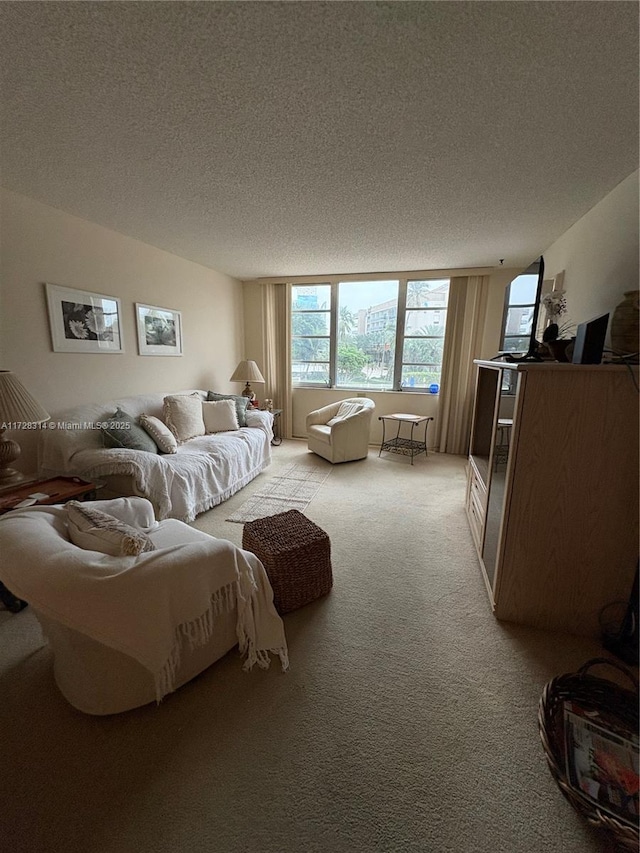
(505, 314)
(330, 311)
(400, 337)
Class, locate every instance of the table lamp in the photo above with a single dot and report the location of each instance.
(247, 371)
(17, 407)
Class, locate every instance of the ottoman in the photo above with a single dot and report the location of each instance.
(296, 554)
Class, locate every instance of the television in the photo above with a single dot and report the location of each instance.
(589, 343)
(532, 352)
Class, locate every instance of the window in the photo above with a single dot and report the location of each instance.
(367, 321)
(310, 334)
(369, 335)
(425, 320)
(520, 298)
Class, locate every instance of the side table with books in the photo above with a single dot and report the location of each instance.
(40, 492)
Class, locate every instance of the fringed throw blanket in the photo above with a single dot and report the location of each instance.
(146, 606)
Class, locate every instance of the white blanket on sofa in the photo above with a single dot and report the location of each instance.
(203, 473)
(143, 606)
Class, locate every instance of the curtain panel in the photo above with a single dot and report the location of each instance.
(467, 310)
(276, 335)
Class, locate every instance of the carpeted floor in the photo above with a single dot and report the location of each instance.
(407, 721)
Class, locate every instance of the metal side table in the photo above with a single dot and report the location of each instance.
(411, 446)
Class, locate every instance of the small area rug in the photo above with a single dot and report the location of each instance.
(293, 489)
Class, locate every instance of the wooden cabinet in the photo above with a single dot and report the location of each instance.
(552, 491)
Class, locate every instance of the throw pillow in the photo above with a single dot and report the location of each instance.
(121, 430)
(183, 416)
(241, 404)
(160, 433)
(345, 411)
(220, 416)
(95, 530)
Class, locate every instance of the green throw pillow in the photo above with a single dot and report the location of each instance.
(122, 430)
(241, 404)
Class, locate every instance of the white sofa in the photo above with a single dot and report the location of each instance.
(127, 630)
(341, 438)
(204, 472)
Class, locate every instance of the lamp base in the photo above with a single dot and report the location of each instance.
(9, 452)
(247, 392)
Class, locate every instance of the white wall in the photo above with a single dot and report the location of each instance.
(41, 244)
(599, 254)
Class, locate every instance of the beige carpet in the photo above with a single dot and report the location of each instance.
(407, 721)
(294, 488)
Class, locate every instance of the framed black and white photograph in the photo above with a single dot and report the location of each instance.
(159, 330)
(82, 321)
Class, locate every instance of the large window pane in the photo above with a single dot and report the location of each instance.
(520, 298)
(310, 331)
(367, 318)
(369, 335)
(424, 327)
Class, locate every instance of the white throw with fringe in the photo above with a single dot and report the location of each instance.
(144, 606)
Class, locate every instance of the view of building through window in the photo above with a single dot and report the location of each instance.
(386, 334)
(367, 318)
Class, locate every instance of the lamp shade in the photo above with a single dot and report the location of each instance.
(247, 371)
(17, 407)
(16, 403)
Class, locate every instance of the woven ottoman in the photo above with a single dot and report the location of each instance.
(296, 554)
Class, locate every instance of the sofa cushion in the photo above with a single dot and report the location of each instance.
(241, 404)
(219, 415)
(121, 430)
(160, 433)
(183, 416)
(95, 530)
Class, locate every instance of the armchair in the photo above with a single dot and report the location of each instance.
(339, 432)
(126, 627)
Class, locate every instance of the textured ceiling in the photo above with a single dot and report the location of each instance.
(300, 138)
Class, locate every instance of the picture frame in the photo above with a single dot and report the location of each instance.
(84, 322)
(159, 330)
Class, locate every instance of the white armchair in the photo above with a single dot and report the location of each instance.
(127, 629)
(339, 432)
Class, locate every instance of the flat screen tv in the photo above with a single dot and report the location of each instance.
(589, 344)
(531, 353)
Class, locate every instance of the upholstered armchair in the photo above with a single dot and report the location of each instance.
(133, 608)
(339, 432)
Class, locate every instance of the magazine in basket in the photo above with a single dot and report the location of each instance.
(601, 764)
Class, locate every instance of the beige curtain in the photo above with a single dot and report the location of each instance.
(467, 310)
(276, 335)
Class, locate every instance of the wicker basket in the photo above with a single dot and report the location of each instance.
(296, 554)
(611, 707)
